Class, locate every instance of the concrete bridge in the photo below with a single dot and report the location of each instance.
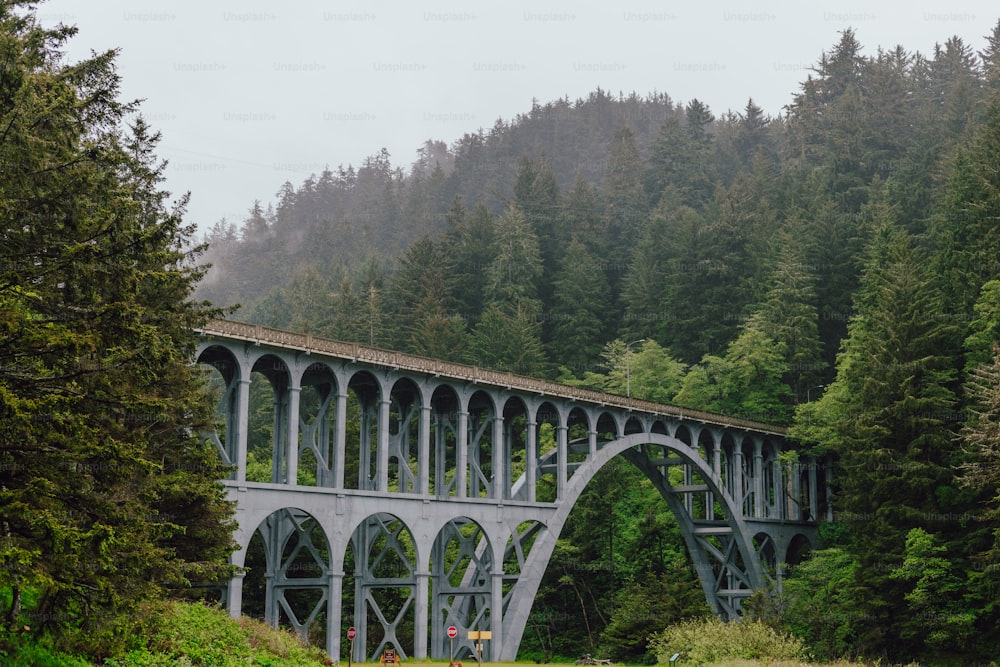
(435, 492)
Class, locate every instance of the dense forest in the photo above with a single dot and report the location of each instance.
(833, 268)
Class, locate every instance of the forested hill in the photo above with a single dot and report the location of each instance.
(341, 217)
(533, 244)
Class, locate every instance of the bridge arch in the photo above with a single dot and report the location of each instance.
(727, 563)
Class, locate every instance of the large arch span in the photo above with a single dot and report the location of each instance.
(402, 495)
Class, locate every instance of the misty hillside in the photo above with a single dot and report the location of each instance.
(671, 221)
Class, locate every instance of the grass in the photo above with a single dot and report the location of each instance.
(182, 634)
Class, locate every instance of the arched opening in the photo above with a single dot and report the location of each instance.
(578, 437)
(607, 429)
(479, 464)
(515, 446)
(404, 435)
(287, 574)
(443, 440)
(461, 585)
(360, 453)
(267, 423)
(222, 378)
(799, 549)
(317, 426)
(547, 424)
(382, 556)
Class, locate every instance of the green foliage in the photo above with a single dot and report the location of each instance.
(707, 640)
(938, 616)
(196, 634)
(643, 369)
(822, 604)
(108, 496)
(746, 383)
(645, 606)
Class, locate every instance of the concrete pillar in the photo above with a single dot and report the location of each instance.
(562, 461)
(234, 595)
(738, 476)
(499, 457)
(420, 619)
(292, 446)
(333, 614)
(382, 448)
(591, 443)
(243, 429)
(531, 460)
(424, 452)
(758, 478)
(462, 455)
(496, 610)
(340, 440)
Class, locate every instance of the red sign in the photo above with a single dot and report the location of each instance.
(452, 632)
(352, 633)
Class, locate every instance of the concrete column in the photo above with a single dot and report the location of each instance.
(340, 440)
(292, 447)
(462, 455)
(738, 476)
(591, 443)
(531, 460)
(234, 595)
(499, 456)
(333, 614)
(424, 451)
(758, 478)
(562, 461)
(382, 448)
(420, 616)
(243, 429)
(496, 612)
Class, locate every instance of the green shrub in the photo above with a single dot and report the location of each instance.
(706, 640)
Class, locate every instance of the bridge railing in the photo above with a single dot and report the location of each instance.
(259, 334)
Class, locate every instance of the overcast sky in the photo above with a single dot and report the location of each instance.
(250, 94)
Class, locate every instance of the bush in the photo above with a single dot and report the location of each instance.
(701, 641)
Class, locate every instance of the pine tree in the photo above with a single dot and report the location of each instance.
(579, 318)
(107, 495)
(890, 416)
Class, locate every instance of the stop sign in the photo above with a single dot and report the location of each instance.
(452, 632)
(352, 633)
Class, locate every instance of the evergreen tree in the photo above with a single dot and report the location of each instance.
(513, 274)
(967, 237)
(581, 306)
(788, 316)
(625, 204)
(890, 419)
(507, 338)
(107, 495)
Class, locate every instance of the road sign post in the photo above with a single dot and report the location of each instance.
(452, 633)
(479, 636)
(351, 634)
